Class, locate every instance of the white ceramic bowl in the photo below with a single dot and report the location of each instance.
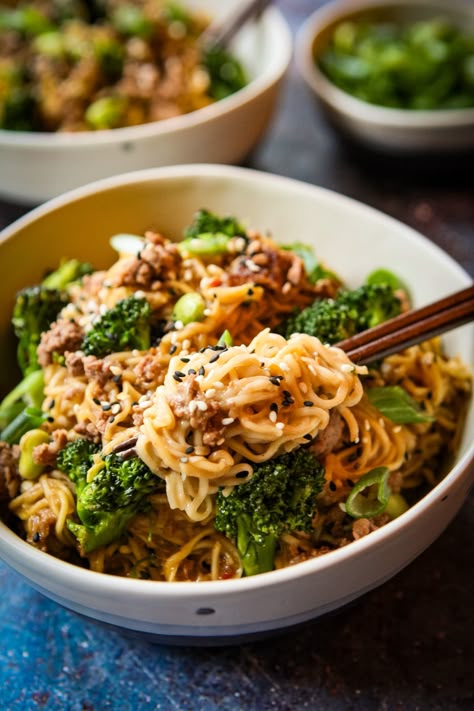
(38, 166)
(380, 128)
(349, 236)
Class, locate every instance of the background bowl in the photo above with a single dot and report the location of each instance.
(350, 237)
(39, 166)
(380, 128)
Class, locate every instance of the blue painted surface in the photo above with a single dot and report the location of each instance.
(408, 645)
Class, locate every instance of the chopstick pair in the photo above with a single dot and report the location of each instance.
(411, 327)
(220, 32)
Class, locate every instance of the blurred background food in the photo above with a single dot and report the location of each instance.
(394, 75)
(427, 64)
(94, 88)
(74, 65)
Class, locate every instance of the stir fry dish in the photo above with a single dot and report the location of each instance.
(85, 65)
(186, 414)
(422, 65)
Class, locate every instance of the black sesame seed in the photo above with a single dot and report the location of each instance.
(180, 373)
(201, 370)
(241, 475)
(287, 394)
(52, 404)
(177, 376)
(106, 406)
(117, 378)
(173, 349)
(274, 379)
(308, 437)
(36, 537)
(96, 400)
(111, 419)
(214, 358)
(185, 360)
(189, 450)
(249, 292)
(332, 486)
(191, 371)
(274, 407)
(308, 403)
(50, 419)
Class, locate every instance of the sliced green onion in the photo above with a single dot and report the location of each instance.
(396, 505)
(127, 243)
(190, 307)
(226, 340)
(370, 495)
(395, 403)
(206, 245)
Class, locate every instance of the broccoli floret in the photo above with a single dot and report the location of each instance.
(35, 309)
(208, 235)
(279, 497)
(333, 320)
(115, 495)
(206, 222)
(76, 459)
(124, 327)
(69, 271)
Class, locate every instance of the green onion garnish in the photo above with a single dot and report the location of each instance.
(370, 495)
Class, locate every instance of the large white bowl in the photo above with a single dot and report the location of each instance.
(380, 128)
(352, 238)
(38, 166)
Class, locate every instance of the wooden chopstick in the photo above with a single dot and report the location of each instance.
(220, 32)
(411, 327)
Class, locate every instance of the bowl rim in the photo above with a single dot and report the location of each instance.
(373, 114)
(70, 574)
(282, 49)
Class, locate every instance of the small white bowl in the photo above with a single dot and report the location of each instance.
(384, 129)
(348, 236)
(39, 166)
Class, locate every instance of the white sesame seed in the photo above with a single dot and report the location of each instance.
(186, 345)
(115, 370)
(103, 309)
(115, 409)
(207, 312)
(184, 460)
(251, 266)
(228, 420)
(303, 387)
(280, 425)
(397, 429)
(140, 294)
(284, 366)
(286, 287)
(367, 425)
(210, 393)
(201, 405)
(272, 416)
(188, 274)
(381, 422)
(192, 406)
(178, 325)
(347, 368)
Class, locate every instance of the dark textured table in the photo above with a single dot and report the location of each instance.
(407, 645)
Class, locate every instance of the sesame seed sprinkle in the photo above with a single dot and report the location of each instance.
(228, 420)
(272, 417)
(280, 425)
(201, 370)
(308, 403)
(214, 358)
(201, 405)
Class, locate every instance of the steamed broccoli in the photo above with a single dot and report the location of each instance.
(124, 327)
(69, 271)
(76, 459)
(208, 234)
(333, 320)
(118, 491)
(225, 72)
(35, 309)
(279, 497)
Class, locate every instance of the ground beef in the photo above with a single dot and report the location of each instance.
(185, 405)
(64, 335)
(89, 430)
(9, 477)
(148, 369)
(75, 364)
(330, 437)
(265, 265)
(159, 261)
(40, 525)
(46, 453)
(97, 369)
